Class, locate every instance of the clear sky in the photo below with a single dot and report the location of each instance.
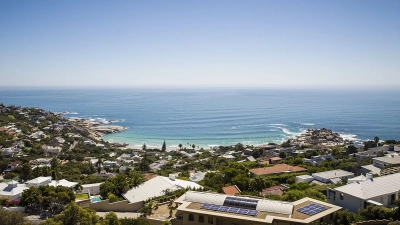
(200, 42)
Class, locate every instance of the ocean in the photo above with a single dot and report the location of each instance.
(221, 116)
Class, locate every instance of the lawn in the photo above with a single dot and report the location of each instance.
(82, 196)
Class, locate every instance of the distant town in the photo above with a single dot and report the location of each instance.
(54, 168)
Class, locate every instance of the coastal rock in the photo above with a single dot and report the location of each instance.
(318, 136)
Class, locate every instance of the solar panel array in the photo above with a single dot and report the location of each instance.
(229, 209)
(241, 202)
(311, 209)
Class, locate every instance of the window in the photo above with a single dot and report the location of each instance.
(191, 217)
(201, 219)
(341, 196)
(210, 220)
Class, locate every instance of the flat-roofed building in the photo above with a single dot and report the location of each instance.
(212, 208)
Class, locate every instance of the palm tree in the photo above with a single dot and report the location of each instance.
(193, 146)
(144, 147)
(376, 140)
(180, 146)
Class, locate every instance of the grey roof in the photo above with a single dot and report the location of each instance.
(373, 187)
(333, 174)
(372, 168)
(392, 159)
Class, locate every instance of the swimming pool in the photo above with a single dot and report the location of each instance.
(96, 199)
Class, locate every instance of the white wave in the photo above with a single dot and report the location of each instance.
(233, 128)
(276, 124)
(307, 124)
(350, 137)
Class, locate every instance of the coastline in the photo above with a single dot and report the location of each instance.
(97, 130)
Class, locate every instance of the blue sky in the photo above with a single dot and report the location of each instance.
(200, 43)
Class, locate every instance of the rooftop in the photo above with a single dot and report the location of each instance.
(267, 210)
(279, 168)
(373, 187)
(333, 174)
(231, 190)
(391, 159)
(156, 187)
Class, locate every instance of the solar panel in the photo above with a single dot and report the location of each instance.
(229, 209)
(311, 209)
(241, 202)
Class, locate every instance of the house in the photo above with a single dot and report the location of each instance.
(274, 160)
(63, 183)
(92, 189)
(304, 178)
(41, 161)
(10, 152)
(377, 191)
(12, 190)
(276, 169)
(105, 174)
(370, 169)
(332, 176)
(231, 190)
(156, 187)
(122, 169)
(109, 163)
(386, 160)
(39, 181)
(274, 190)
(212, 208)
(51, 150)
(319, 159)
(12, 166)
(366, 154)
(197, 176)
(250, 159)
(248, 151)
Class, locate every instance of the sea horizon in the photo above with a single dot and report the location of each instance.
(210, 117)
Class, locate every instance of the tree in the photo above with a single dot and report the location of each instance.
(25, 172)
(54, 163)
(180, 146)
(164, 147)
(11, 217)
(105, 188)
(193, 146)
(144, 147)
(376, 140)
(75, 215)
(282, 155)
(257, 184)
(111, 219)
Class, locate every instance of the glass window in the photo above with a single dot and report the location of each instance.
(201, 219)
(341, 196)
(191, 217)
(210, 220)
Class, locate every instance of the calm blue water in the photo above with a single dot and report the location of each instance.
(211, 117)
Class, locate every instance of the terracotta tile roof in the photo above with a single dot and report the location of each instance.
(275, 190)
(279, 168)
(231, 190)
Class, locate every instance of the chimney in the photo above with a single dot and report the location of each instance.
(172, 177)
(369, 176)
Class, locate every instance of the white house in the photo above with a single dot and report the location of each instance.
(332, 176)
(12, 190)
(92, 189)
(39, 181)
(377, 191)
(156, 187)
